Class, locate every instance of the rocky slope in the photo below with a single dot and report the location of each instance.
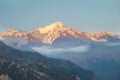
(21, 65)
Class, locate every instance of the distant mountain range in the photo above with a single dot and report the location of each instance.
(57, 30)
(55, 34)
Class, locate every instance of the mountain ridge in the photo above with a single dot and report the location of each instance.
(56, 30)
(24, 65)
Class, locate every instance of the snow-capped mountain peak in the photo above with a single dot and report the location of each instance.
(55, 26)
(13, 33)
(50, 33)
(99, 34)
(56, 30)
(103, 36)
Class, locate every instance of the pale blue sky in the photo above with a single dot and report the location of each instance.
(85, 15)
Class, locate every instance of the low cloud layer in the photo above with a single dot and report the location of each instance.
(48, 50)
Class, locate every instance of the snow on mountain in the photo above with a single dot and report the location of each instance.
(12, 33)
(103, 36)
(51, 32)
(57, 30)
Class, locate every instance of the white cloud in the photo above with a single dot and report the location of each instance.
(48, 50)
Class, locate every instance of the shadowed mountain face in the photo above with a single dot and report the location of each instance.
(21, 65)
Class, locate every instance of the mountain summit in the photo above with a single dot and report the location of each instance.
(12, 33)
(54, 26)
(104, 36)
(56, 30)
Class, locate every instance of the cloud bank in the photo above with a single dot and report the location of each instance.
(48, 50)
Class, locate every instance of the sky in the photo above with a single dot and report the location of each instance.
(84, 15)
